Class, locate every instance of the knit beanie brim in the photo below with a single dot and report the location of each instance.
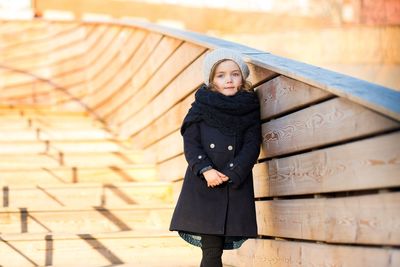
(219, 54)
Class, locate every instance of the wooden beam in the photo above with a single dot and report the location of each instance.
(279, 253)
(336, 120)
(369, 219)
(366, 164)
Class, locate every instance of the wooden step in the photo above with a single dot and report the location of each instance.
(86, 195)
(81, 174)
(142, 248)
(12, 124)
(85, 220)
(40, 110)
(43, 112)
(86, 159)
(13, 147)
(53, 118)
(43, 125)
(52, 134)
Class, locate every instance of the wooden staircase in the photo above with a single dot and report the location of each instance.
(75, 195)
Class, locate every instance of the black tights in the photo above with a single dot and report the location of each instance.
(212, 247)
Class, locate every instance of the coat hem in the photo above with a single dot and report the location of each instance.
(231, 242)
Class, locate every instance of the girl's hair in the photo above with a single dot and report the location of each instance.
(246, 85)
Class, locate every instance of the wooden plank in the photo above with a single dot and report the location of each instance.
(258, 74)
(31, 32)
(353, 166)
(86, 195)
(381, 99)
(37, 89)
(19, 28)
(168, 147)
(283, 94)
(101, 46)
(125, 248)
(82, 145)
(173, 169)
(164, 49)
(54, 134)
(183, 57)
(369, 219)
(120, 66)
(333, 121)
(66, 60)
(14, 79)
(277, 253)
(30, 90)
(108, 64)
(80, 174)
(71, 159)
(182, 86)
(86, 219)
(124, 93)
(35, 51)
(35, 39)
(164, 125)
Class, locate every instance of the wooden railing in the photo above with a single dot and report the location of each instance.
(327, 179)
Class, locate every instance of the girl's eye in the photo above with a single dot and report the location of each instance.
(236, 74)
(220, 76)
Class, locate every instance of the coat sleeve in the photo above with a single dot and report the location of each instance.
(193, 149)
(241, 166)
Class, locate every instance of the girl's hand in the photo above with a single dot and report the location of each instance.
(214, 177)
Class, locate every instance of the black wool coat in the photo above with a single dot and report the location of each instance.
(229, 208)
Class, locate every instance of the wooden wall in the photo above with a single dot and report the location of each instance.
(327, 180)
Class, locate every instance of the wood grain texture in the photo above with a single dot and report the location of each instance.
(366, 164)
(333, 121)
(369, 219)
(146, 45)
(181, 59)
(50, 39)
(135, 83)
(278, 253)
(172, 169)
(88, 194)
(118, 73)
(164, 125)
(85, 219)
(179, 88)
(258, 74)
(283, 94)
(381, 99)
(168, 147)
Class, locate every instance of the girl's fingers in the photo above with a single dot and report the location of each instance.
(220, 174)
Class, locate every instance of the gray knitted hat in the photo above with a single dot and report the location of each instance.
(219, 54)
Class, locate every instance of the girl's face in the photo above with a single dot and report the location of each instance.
(227, 78)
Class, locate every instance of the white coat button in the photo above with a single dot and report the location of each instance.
(231, 165)
(230, 147)
(199, 157)
(212, 145)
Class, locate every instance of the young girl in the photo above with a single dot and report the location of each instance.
(222, 136)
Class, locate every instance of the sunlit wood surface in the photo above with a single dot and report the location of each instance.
(72, 191)
(90, 123)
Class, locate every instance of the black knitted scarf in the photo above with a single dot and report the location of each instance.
(230, 114)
